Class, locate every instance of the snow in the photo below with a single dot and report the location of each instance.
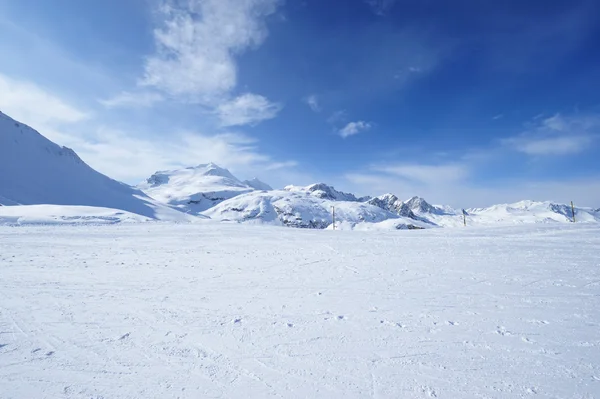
(234, 311)
(393, 204)
(34, 170)
(60, 214)
(295, 209)
(256, 184)
(324, 191)
(196, 189)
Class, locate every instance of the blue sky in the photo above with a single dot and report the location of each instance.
(466, 103)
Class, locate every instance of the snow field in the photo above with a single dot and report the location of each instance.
(231, 311)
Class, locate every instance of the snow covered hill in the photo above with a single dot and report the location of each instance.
(531, 212)
(65, 215)
(324, 191)
(196, 189)
(303, 209)
(34, 170)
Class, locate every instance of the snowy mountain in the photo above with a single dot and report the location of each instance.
(196, 189)
(393, 204)
(419, 206)
(324, 191)
(258, 185)
(302, 209)
(34, 170)
(531, 212)
(42, 181)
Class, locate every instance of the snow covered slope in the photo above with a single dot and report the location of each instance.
(65, 214)
(393, 204)
(531, 212)
(34, 170)
(158, 311)
(257, 184)
(324, 191)
(517, 213)
(299, 209)
(196, 189)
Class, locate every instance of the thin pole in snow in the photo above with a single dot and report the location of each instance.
(573, 211)
(333, 215)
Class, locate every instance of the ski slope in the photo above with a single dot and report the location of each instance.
(217, 310)
(60, 214)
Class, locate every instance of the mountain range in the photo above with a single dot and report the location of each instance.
(43, 182)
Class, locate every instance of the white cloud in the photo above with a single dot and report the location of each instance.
(430, 174)
(129, 155)
(313, 102)
(552, 146)
(247, 109)
(354, 128)
(281, 165)
(198, 42)
(557, 135)
(133, 100)
(35, 106)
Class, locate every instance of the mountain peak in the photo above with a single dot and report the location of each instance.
(257, 184)
(419, 204)
(391, 203)
(212, 169)
(324, 191)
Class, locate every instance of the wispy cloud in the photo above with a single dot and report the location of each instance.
(247, 109)
(129, 155)
(338, 117)
(423, 173)
(381, 7)
(132, 157)
(354, 128)
(197, 44)
(34, 105)
(313, 102)
(133, 100)
(195, 61)
(557, 135)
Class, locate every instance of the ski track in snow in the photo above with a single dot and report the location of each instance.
(230, 311)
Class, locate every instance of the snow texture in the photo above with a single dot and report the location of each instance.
(215, 310)
(61, 214)
(34, 170)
